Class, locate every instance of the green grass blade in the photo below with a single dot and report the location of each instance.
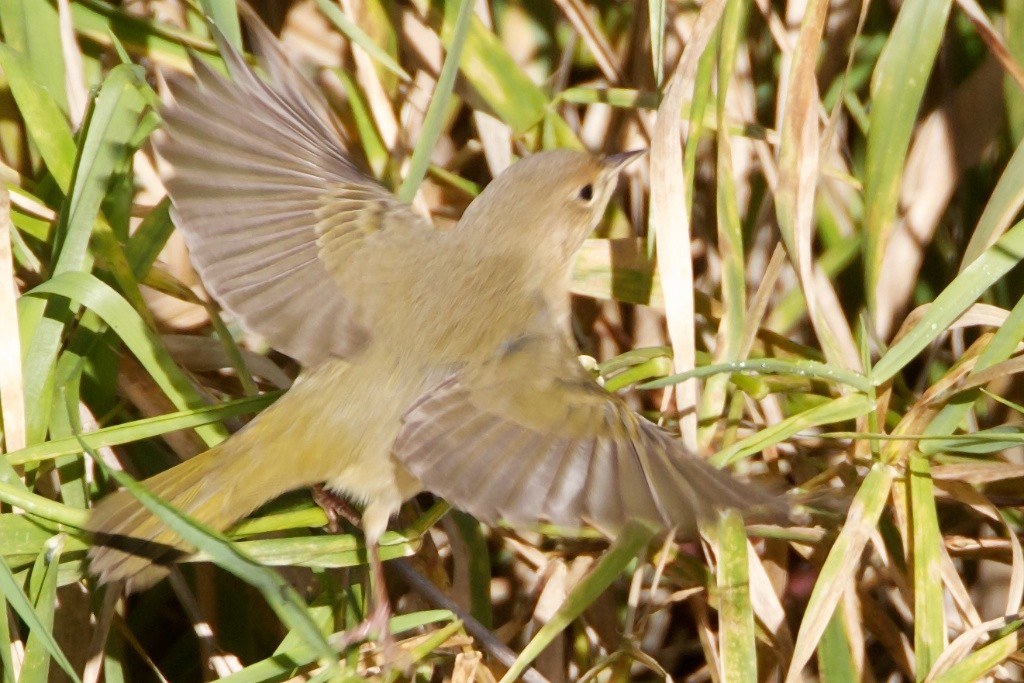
(359, 37)
(43, 590)
(224, 16)
(138, 430)
(730, 245)
(437, 109)
(17, 599)
(844, 408)
(109, 128)
(43, 507)
(976, 665)
(1002, 207)
(478, 566)
(31, 27)
(835, 661)
(965, 289)
(494, 74)
(736, 613)
(89, 291)
(767, 366)
(44, 119)
(656, 19)
(929, 617)
(897, 88)
(6, 661)
(278, 593)
(1002, 345)
(1013, 19)
(110, 25)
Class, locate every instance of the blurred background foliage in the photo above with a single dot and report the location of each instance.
(844, 177)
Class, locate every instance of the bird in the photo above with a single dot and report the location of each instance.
(437, 360)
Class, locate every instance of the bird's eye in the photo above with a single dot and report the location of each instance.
(587, 192)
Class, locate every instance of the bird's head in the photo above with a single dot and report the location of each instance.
(550, 200)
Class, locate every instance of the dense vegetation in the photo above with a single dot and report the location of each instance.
(845, 180)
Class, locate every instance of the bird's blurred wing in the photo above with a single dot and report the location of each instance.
(530, 436)
(271, 207)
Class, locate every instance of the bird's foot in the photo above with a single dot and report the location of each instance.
(335, 507)
(386, 653)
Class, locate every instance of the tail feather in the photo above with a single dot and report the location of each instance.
(130, 543)
(216, 488)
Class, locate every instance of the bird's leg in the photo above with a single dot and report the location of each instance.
(377, 624)
(379, 616)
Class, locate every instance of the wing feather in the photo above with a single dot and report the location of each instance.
(529, 437)
(271, 207)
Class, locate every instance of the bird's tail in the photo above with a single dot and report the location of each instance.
(217, 487)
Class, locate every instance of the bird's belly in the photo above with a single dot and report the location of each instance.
(345, 424)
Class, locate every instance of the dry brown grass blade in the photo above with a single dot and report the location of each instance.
(670, 219)
(964, 643)
(958, 591)
(582, 19)
(376, 96)
(978, 473)
(799, 170)
(762, 297)
(74, 78)
(768, 608)
(982, 505)
(985, 315)
(992, 39)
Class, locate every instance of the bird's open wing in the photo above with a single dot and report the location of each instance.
(271, 207)
(530, 436)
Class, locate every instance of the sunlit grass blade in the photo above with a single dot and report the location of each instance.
(102, 22)
(844, 408)
(839, 566)
(493, 73)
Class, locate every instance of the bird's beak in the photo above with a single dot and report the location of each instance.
(619, 161)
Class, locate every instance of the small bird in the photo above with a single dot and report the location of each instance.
(436, 360)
